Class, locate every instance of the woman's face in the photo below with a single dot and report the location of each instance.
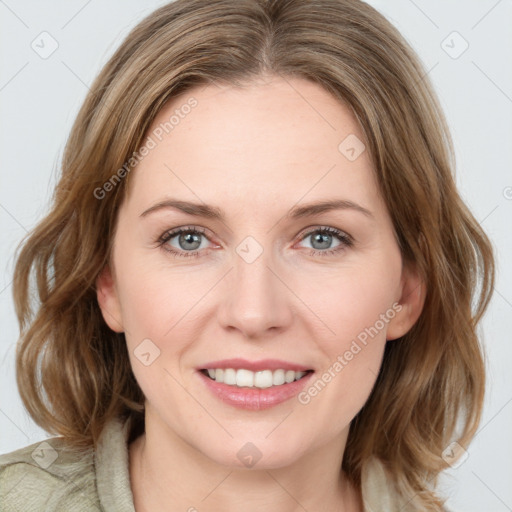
(259, 275)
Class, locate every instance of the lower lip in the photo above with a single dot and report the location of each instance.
(255, 399)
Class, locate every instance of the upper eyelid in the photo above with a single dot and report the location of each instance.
(177, 231)
(307, 231)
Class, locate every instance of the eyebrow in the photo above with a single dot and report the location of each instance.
(297, 212)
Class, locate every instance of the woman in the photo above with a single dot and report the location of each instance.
(315, 347)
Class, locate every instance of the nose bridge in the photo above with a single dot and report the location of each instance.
(255, 299)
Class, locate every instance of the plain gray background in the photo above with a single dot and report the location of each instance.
(40, 95)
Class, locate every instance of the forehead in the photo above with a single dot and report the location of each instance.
(262, 142)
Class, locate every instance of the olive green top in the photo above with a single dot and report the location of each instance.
(48, 477)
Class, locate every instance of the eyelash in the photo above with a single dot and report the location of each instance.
(346, 241)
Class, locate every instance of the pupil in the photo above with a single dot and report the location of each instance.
(324, 240)
(190, 238)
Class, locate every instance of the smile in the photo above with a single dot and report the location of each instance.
(246, 378)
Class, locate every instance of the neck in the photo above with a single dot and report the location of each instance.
(166, 472)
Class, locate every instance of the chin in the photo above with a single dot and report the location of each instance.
(253, 452)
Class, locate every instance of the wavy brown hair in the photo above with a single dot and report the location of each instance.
(74, 373)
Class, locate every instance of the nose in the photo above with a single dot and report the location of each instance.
(256, 300)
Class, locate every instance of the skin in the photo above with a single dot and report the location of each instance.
(255, 152)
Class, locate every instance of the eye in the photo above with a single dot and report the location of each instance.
(183, 242)
(322, 238)
(189, 241)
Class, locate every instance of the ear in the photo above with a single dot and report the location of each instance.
(108, 299)
(412, 299)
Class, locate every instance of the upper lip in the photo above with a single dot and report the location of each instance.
(255, 366)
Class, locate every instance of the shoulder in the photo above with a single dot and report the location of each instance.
(48, 476)
(52, 476)
(379, 491)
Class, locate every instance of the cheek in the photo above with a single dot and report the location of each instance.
(159, 309)
(147, 312)
(337, 394)
(155, 312)
(356, 298)
(357, 306)
(153, 300)
(352, 359)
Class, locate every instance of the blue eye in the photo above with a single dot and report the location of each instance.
(190, 239)
(323, 238)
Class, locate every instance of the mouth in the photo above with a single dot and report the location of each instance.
(254, 385)
(244, 378)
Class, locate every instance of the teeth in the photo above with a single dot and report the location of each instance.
(245, 378)
(263, 379)
(289, 376)
(229, 376)
(278, 377)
